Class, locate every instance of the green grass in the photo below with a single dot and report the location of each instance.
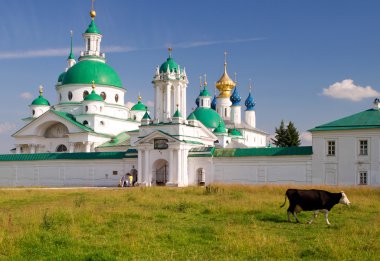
(195, 223)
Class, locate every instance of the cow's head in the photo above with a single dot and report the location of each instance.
(344, 200)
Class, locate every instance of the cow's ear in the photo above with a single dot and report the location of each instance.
(342, 192)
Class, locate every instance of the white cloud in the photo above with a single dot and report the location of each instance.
(348, 90)
(26, 95)
(206, 43)
(6, 127)
(305, 138)
(149, 103)
(129, 104)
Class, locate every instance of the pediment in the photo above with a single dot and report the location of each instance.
(151, 137)
(52, 124)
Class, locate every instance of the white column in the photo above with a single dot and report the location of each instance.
(32, 148)
(171, 166)
(179, 169)
(18, 149)
(148, 178)
(88, 147)
(235, 114)
(139, 167)
(178, 101)
(185, 179)
(168, 112)
(183, 100)
(71, 147)
(156, 90)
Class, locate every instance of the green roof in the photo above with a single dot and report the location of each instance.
(205, 92)
(235, 132)
(93, 96)
(177, 114)
(173, 66)
(69, 117)
(63, 156)
(368, 119)
(118, 140)
(92, 29)
(40, 101)
(86, 71)
(139, 106)
(61, 76)
(221, 128)
(249, 152)
(146, 116)
(192, 116)
(209, 117)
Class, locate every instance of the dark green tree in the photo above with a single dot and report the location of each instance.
(281, 136)
(292, 136)
(286, 137)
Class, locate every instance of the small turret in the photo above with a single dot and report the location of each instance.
(146, 118)
(138, 110)
(39, 105)
(250, 115)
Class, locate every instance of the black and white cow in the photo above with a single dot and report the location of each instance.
(313, 200)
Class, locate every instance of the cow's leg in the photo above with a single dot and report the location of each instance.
(291, 209)
(327, 216)
(315, 214)
(288, 215)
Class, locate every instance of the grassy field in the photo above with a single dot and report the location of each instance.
(219, 223)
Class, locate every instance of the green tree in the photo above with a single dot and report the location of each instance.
(292, 136)
(281, 135)
(286, 137)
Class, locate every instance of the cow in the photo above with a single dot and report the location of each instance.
(313, 200)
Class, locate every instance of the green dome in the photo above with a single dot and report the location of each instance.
(93, 96)
(92, 29)
(173, 66)
(61, 76)
(221, 128)
(177, 114)
(205, 92)
(235, 132)
(208, 117)
(139, 106)
(87, 71)
(40, 101)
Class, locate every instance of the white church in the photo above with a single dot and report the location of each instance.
(90, 138)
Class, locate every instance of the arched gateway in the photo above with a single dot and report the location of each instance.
(160, 175)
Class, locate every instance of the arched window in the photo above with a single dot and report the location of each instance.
(34, 112)
(70, 95)
(85, 123)
(134, 117)
(85, 93)
(104, 96)
(116, 97)
(60, 97)
(88, 44)
(86, 108)
(61, 148)
(102, 123)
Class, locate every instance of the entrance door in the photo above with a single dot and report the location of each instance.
(160, 172)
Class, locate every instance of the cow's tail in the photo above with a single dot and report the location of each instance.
(284, 202)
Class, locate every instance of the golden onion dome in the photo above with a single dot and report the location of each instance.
(225, 85)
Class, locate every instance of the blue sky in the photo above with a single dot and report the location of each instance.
(311, 62)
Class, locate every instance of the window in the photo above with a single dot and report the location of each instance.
(70, 95)
(160, 144)
(363, 178)
(85, 123)
(202, 103)
(88, 44)
(102, 123)
(225, 112)
(116, 97)
(61, 148)
(104, 96)
(85, 93)
(114, 172)
(86, 108)
(331, 148)
(363, 147)
(34, 112)
(60, 97)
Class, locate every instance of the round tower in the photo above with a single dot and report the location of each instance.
(138, 110)
(169, 83)
(235, 107)
(250, 115)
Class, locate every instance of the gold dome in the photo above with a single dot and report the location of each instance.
(225, 85)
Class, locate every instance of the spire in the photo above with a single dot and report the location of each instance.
(41, 90)
(92, 12)
(71, 55)
(170, 52)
